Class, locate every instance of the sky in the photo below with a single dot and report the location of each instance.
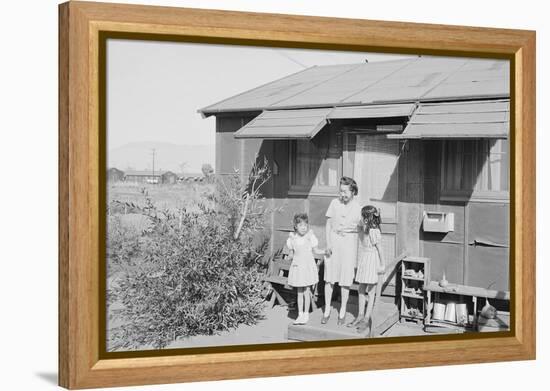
(154, 89)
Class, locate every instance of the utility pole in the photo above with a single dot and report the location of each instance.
(153, 153)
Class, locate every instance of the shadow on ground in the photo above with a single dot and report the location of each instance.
(48, 377)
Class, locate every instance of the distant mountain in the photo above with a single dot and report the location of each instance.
(139, 156)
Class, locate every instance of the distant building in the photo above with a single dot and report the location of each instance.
(115, 175)
(168, 177)
(157, 177)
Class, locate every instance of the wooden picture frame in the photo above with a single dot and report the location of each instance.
(81, 151)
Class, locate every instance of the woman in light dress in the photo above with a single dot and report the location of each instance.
(343, 218)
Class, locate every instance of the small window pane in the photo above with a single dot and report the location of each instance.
(498, 166)
(349, 147)
(305, 162)
(316, 162)
(480, 165)
(468, 168)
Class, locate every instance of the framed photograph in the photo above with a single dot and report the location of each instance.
(248, 195)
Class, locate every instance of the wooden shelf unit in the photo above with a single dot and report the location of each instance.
(460, 293)
(415, 272)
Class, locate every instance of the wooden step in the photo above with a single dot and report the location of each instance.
(386, 315)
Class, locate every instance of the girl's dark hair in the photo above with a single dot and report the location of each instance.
(346, 180)
(371, 217)
(299, 218)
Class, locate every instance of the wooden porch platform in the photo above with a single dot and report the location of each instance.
(386, 315)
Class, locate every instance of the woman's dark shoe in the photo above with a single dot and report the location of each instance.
(341, 321)
(365, 328)
(362, 326)
(355, 322)
(324, 319)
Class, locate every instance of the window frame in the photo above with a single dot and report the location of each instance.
(465, 195)
(313, 190)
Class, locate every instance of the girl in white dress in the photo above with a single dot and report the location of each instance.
(370, 265)
(303, 272)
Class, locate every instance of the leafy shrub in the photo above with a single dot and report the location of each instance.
(192, 272)
(123, 244)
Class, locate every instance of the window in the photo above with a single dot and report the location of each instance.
(316, 164)
(475, 167)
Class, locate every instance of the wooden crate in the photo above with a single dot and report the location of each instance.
(415, 272)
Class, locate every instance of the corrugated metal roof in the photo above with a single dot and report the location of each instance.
(472, 119)
(413, 80)
(285, 124)
(375, 111)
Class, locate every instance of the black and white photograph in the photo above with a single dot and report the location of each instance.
(262, 195)
(275, 195)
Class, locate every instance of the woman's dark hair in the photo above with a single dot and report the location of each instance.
(346, 180)
(371, 217)
(299, 218)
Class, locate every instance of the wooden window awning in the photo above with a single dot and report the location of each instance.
(306, 123)
(459, 120)
(285, 124)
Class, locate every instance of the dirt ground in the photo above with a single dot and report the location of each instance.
(272, 329)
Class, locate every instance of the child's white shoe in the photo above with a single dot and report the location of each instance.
(299, 319)
(306, 318)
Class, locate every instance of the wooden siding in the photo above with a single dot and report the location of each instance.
(227, 147)
(476, 252)
(410, 195)
(488, 243)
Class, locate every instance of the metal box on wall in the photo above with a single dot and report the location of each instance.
(438, 222)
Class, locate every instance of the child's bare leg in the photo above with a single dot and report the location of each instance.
(362, 300)
(307, 303)
(367, 320)
(307, 299)
(300, 304)
(361, 306)
(300, 300)
(345, 296)
(328, 298)
(371, 290)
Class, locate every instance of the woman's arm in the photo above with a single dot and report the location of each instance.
(290, 246)
(290, 255)
(376, 238)
(318, 251)
(381, 263)
(328, 229)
